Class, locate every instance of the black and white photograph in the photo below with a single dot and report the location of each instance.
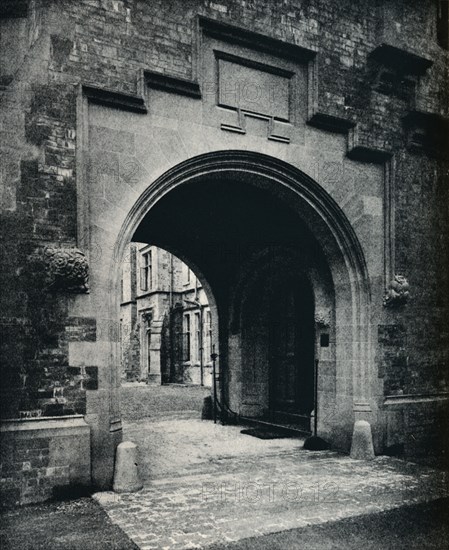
(224, 290)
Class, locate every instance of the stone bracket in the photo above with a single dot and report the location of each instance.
(398, 292)
(364, 153)
(391, 82)
(323, 318)
(401, 60)
(172, 84)
(65, 269)
(117, 100)
(396, 71)
(427, 132)
(331, 123)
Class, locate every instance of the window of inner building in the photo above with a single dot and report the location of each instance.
(208, 334)
(146, 271)
(443, 23)
(186, 346)
(187, 272)
(197, 338)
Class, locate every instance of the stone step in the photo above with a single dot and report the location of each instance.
(293, 429)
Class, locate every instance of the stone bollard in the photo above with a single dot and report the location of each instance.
(362, 441)
(126, 475)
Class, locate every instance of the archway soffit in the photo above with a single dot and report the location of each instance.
(258, 164)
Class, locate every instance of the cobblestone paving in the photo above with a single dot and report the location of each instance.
(255, 487)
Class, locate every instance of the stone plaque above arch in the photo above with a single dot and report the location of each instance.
(247, 90)
(254, 84)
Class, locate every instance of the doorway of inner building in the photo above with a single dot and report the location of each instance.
(291, 351)
(278, 338)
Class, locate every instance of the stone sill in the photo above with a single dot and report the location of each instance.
(43, 423)
(184, 385)
(408, 399)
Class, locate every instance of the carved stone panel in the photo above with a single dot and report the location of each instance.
(248, 86)
(249, 89)
(66, 269)
(257, 91)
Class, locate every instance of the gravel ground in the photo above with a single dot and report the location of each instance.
(79, 524)
(178, 444)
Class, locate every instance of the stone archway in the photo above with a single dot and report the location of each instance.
(342, 312)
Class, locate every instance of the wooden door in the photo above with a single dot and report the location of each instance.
(291, 352)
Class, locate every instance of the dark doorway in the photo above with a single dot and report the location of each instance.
(291, 350)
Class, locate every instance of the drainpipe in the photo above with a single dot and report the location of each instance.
(201, 346)
(170, 294)
(170, 319)
(200, 343)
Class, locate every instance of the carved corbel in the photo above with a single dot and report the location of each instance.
(147, 316)
(323, 318)
(66, 269)
(398, 292)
